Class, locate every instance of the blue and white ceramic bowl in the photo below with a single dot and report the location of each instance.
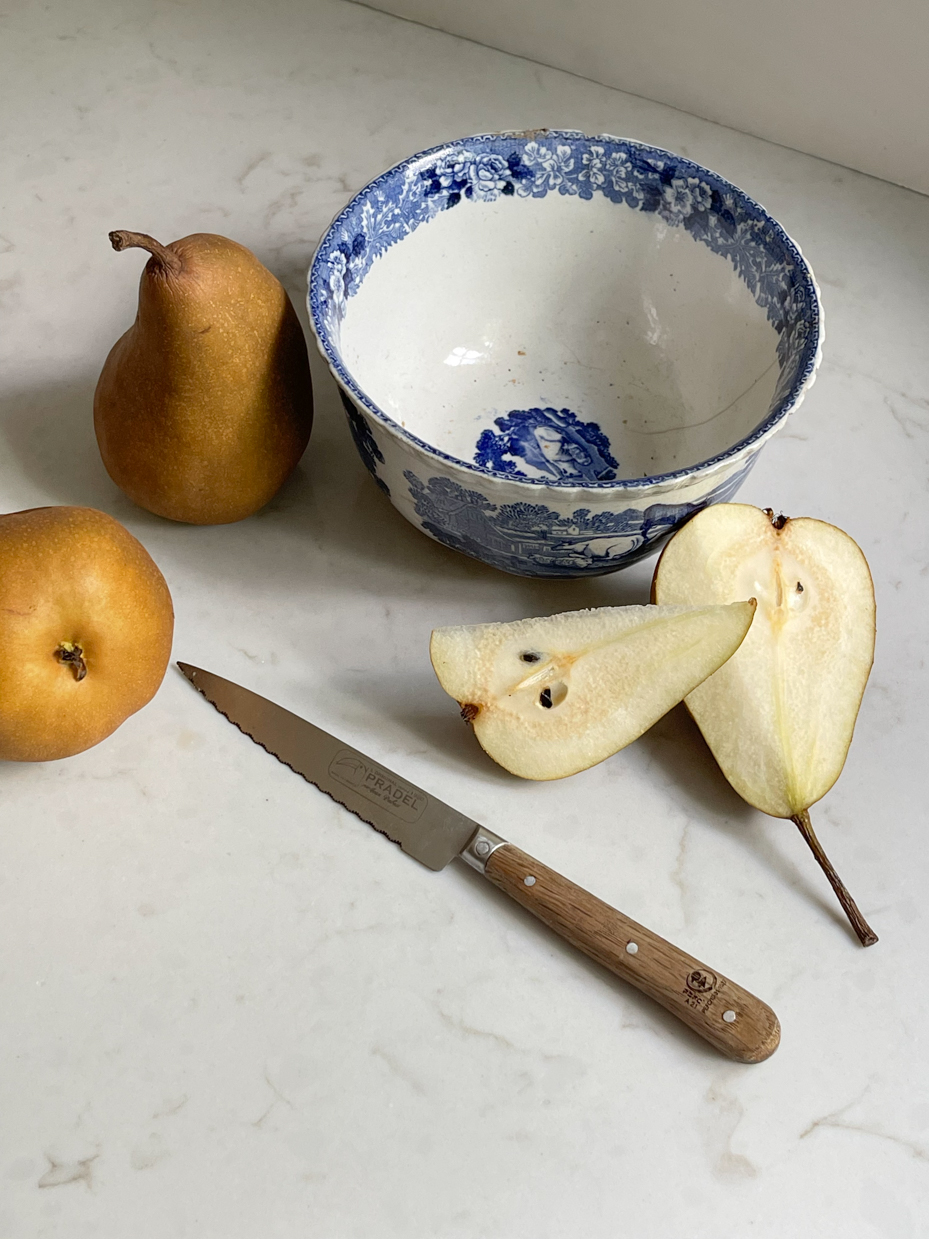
(553, 349)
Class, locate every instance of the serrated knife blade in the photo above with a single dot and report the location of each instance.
(729, 1017)
(428, 830)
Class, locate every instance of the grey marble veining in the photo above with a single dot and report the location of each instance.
(228, 1010)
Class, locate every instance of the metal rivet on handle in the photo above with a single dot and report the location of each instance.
(729, 1017)
(632, 948)
(482, 847)
(530, 881)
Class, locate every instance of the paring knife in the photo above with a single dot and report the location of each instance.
(731, 1019)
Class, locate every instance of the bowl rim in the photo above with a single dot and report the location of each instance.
(671, 479)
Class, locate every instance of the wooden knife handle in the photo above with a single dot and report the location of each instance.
(729, 1017)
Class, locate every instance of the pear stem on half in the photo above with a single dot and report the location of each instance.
(866, 935)
(169, 262)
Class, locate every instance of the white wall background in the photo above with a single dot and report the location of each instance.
(847, 80)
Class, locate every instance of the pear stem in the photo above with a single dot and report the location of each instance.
(169, 262)
(866, 935)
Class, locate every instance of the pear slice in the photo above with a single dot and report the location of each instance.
(552, 696)
(779, 716)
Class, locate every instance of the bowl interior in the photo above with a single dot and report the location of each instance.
(568, 336)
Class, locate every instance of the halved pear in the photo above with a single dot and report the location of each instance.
(552, 696)
(779, 716)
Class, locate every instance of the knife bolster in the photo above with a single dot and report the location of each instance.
(480, 847)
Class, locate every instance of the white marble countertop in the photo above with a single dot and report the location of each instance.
(228, 1010)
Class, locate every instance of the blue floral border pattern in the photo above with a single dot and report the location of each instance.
(485, 168)
(530, 539)
(368, 450)
(547, 444)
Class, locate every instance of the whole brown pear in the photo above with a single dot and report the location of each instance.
(204, 406)
(85, 629)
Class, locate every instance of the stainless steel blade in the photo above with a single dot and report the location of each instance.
(428, 830)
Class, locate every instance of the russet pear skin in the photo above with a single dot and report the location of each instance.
(86, 624)
(204, 407)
